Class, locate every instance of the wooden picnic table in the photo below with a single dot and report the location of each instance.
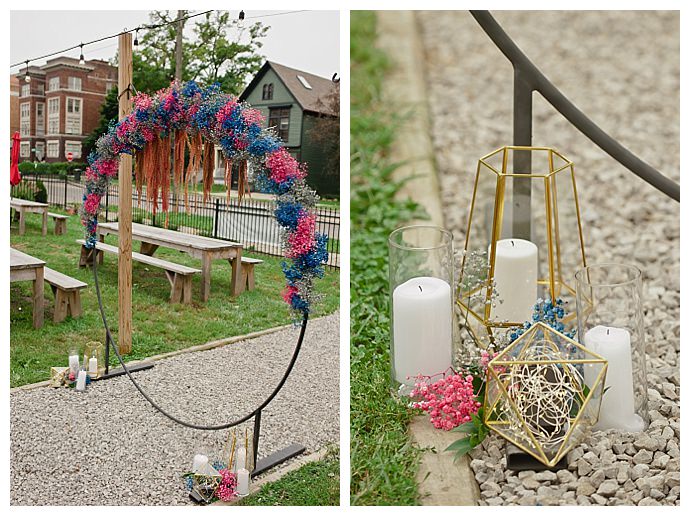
(205, 248)
(27, 268)
(23, 207)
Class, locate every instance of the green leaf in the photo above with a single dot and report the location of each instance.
(465, 427)
(460, 444)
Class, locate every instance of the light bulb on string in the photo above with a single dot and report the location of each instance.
(81, 54)
(27, 77)
(240, 20)
(136, 38)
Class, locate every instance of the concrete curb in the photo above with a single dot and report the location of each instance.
(440, 480)
(201, 347)
(404, 87)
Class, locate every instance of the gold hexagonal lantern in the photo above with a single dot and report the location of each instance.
(523, 242)
(543, 393)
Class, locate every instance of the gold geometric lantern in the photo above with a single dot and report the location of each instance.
(523, 242)
(206, 481)
(543, 393)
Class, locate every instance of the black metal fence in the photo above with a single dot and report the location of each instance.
(250, 222)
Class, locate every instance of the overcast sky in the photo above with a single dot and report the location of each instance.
(306, 40)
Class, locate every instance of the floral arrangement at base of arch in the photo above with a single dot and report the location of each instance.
(186, 117)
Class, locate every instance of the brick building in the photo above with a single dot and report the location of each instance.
(14, 105)
(60, 106)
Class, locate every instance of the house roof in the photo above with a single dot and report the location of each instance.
(309, 90)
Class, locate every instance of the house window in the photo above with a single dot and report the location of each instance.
(53, 149)
(73, 117)
(74, 148)
(54, 116)
(280, 119)
(25, 149)
(40, 118)
(41, 88)
(54, 84)
(267, 92)
(26, 90)
(40, 150)
(74, 83)
(25, 119)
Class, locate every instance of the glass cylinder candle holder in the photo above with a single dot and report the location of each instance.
(610, 323)
(421, 275)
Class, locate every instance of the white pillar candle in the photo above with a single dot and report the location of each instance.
(618, 402)
(199, 461)
(93, 366)
(515, 280)
(242, 482)
(74, 364)
(422, 328)
(81, 381)
(241, 458)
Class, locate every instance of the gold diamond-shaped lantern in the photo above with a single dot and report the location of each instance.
(523, 241)
(543, 393)
(206, 481)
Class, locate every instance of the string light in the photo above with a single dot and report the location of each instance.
(136, 38)
(27, 78)
(241, 18)
(81, 54)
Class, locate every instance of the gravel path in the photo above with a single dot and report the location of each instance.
(622, 69)
(108, 446)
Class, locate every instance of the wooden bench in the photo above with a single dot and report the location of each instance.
(179, 276)
(248, 264)
(67, 294)
(60, 223)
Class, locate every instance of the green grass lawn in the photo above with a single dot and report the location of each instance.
(158, 326)
(316, 483)
(383, 462)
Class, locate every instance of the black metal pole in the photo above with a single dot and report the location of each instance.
(522, 160)
(215, 219)
(65, 206)
(538, 81)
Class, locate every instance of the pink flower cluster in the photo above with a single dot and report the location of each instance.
(92, 203)
(303, 239)
(253, 116)
(450, 401)
(289, 292)
(228, 485)
(283, 166)
(225, 111)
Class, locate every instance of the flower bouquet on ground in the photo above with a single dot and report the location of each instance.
(211, 483)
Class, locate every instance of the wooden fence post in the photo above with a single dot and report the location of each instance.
(124, 266)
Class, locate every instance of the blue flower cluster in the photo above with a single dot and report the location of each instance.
(547, 312)
(288, 213)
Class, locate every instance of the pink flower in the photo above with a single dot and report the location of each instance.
(227, 489)
(253, 116)
(289, 292)
(92, 203)
(449, 401)
(283, 166)
(303, 239)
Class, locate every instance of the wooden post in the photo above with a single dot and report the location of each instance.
(124, 265)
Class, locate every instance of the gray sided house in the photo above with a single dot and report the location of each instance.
(291, 102)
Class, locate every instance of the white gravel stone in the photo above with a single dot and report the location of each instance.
(108, 446)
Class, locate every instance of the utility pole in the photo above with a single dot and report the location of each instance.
(178, 45)
(124, 263)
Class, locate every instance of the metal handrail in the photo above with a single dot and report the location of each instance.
(529, 78)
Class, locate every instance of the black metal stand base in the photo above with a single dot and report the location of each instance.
(119, 371)
(517, 460)
(272, 460)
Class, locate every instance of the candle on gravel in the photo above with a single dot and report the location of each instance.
(242, 482)
(618, 404)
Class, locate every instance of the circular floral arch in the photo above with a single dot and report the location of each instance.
(198, 119)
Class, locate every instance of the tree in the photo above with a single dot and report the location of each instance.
(215, 58)
(209, 57)
(109, 112)
(326, 130)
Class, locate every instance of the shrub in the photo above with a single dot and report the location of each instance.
(40, 194)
